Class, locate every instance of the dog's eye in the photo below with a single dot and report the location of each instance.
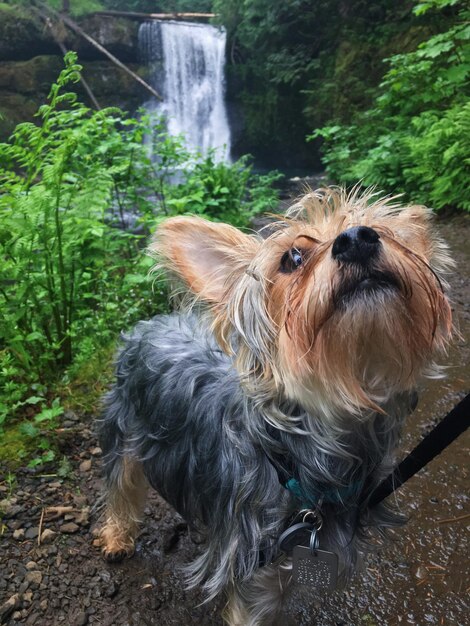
(291, 260)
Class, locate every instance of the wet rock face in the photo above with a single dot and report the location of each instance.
(118, 35)
(30, 60)
(24, 86)
(23, 36)
(31, 76)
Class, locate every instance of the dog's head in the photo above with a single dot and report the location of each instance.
(341, 307)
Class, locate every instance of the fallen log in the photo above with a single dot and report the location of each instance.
(157, 16)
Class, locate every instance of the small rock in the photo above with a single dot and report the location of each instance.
(81, 619)
(82, 517)
(18, 534)
(69, 528)
(105, 576)
(34, 577)
(421, 572)
(85, 466)
(31, 565)
(47, 535)
(112, 589)
(14, 524)
(9, 508)
(43, 605)
(70, 415)
(96, 451)
(32, 532)
(24, 587)
(9, 606)
(79, 500)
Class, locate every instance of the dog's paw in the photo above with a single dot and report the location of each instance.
(115, 556)
(116, 544)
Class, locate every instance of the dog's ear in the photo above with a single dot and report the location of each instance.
(209, 257)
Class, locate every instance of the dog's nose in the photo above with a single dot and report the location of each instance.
(356, 245)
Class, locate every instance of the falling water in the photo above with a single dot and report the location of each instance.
(187, 67)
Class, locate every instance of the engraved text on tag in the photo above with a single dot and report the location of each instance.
(318, 568)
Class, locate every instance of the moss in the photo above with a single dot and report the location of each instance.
(16, 446)
(14, 108)
(80, 391)
(112, 83)
(87, 381)
(22, 35)
(15, 9)
(31, 76)
(24, 86)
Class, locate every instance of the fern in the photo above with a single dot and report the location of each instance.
(73, 273)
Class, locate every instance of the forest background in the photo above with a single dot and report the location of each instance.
(375, 92)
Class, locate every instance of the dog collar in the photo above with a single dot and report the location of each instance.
(333, 495)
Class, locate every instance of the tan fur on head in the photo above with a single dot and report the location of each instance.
(294, 334)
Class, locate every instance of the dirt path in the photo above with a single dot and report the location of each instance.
(421, 579)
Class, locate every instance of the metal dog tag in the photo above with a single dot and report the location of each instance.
(318, 568)
(298, 534)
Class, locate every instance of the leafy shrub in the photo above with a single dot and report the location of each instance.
(416, 137)
(80, 191)
(227, 194)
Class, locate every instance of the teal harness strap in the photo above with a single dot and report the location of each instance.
(333, 496)
(309, 499)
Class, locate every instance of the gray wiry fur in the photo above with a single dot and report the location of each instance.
(178, 407)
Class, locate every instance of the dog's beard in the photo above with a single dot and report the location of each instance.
(362, 335)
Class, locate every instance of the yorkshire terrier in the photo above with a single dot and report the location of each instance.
(269, 413)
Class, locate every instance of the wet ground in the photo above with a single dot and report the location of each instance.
(51, 574)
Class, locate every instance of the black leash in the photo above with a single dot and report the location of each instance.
(448, 429)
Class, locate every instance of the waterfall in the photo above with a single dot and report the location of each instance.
(186, 62)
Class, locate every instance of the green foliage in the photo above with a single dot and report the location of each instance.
(299, 64)
(270, 54)
(75, 7)
(80, 191)
(83, 7)
(59, 180)
(227, 194)
(416, 137)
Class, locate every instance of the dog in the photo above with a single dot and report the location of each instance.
(269, 411)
